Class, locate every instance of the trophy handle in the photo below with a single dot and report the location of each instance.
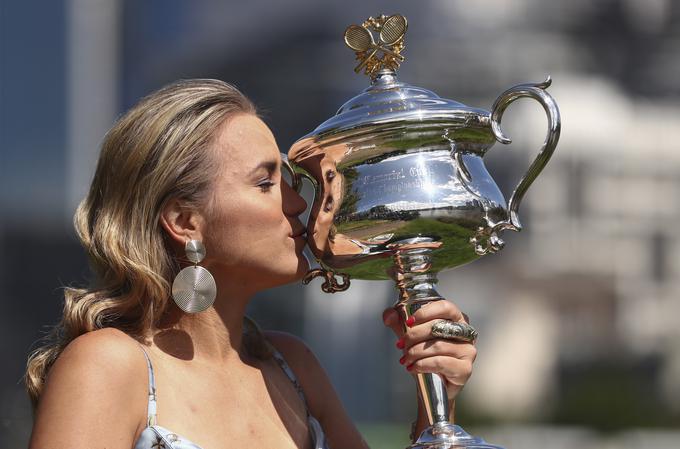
(538, 93)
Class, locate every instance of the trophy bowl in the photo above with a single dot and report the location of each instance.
(401, 190)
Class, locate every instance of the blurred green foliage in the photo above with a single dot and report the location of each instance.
(385, 435)
(608, 396)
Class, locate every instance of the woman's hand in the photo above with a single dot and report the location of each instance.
(423, 353)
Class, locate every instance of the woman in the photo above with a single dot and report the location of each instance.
(192, 167)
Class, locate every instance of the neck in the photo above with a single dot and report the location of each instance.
(213, 336)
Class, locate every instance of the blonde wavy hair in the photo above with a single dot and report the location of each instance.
(159, 150)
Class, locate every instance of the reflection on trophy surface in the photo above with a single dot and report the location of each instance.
(402, 192)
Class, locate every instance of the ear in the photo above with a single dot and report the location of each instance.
(181, 223)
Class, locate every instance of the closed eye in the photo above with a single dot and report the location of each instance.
(266, 185)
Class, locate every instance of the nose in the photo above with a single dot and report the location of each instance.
(293, 203)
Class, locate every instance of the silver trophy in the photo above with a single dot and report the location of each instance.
(401, 190)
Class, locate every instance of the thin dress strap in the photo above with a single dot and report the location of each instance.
(151, 408)
(316, 431)
(290, 374)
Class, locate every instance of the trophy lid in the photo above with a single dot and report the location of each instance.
(388, 102)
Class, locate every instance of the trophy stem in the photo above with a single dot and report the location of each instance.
(416, 284)
(431, 387)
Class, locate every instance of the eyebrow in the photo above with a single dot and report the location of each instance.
(270, 166)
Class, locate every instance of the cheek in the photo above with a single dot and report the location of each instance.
(263, 215)
(243, 225)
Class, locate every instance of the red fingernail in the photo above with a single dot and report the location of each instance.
(410, 367)
(401, 343)
(410, 321)
(402, 360)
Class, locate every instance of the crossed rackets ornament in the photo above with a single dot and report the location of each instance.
(391, 31)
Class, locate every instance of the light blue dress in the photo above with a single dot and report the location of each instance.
(158, 437)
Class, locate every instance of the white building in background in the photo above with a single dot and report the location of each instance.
(603, 251)
(611, 210)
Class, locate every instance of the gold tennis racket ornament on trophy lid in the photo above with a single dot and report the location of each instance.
(391, 31)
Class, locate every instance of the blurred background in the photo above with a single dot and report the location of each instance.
(578, 317)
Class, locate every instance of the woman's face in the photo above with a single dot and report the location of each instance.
(252, 232)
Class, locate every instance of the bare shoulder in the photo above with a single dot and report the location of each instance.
(103, 345)
(105, 357)
(101, 376)
(294, 350)
(307, 369)
(322, 400)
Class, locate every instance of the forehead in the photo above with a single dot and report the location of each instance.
(243, 142)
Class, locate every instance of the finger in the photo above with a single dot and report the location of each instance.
(390, 316)
(439, 347)
(392, 320)
(417, 334)
(423, 332)
(442, 309)
(455, 371)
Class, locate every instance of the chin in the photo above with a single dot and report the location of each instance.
(298, 269)
(301, 269)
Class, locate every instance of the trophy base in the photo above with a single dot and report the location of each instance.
(450, 436)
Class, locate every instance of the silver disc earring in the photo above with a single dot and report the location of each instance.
(194, 288)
